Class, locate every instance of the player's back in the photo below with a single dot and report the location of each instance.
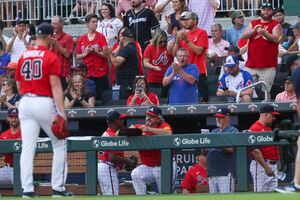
(34, 69)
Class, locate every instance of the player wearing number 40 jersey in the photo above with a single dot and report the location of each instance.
(38, 75)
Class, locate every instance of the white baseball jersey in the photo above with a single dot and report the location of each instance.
(110, 30)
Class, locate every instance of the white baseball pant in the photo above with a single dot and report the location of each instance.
(144, 174)
(221, 184)
(262, 182)
(36, 113)
(6, 175)
(108, 178)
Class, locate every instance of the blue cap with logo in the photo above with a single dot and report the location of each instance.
(44, 29)
(12, 112)
(113, 115)
(222, 112)
(231, 61)
(154, 111)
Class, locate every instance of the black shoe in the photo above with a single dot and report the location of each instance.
(57, 194)
(28, 195)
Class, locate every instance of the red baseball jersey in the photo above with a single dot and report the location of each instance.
(268, 152)
(104, 156)
(34, 69)
(152, 158)
(8, 135)
(198, 37)
(140, 101)
(194, 176)
(96, 66)
(157, 57)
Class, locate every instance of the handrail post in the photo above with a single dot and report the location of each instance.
(91, 172)
(17, 174)
(242, 169)
(166, 171)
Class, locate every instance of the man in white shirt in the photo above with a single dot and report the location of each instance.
(164, 8)
(3, 38)
(19, 42)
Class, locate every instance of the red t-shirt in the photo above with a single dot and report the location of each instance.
(8, 135)
(194, 176)
(152, 158)
(198, 37)
(96, 66)
(104, 156)
(140, 101)
(66, 41)
(261, 52)
(157, 57)
(268, 152)
(34, 69)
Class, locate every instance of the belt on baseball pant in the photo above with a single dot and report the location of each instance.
(272, 162)
(29, 94)
(108, 163)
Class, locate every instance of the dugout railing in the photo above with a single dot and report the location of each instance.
(92, 145)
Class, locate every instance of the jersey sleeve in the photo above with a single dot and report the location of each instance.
(188, 182)
(123, 52)
(248, 79)
(129, 99)
(153, 21)
(202, 39)
(70, 45)
(222, 83)
(194, 71)
(153, 98)
(126, 23)
(147, 52)
(169, 71)
(54, 65)
(78, 46)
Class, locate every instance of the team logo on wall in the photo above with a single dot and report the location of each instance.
(252, 139)
(232, 108)
(96, 144)
(252, 107)
(192, 109)
(72, 113)
(212, 109)
(92, 112)
(171, 110)
(177, 142)
(293, 105)
(131, 111)
(16, 146)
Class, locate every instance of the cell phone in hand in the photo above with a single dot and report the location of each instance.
(176, 60)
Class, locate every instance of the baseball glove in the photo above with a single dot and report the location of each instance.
(59, 128)
(131, 164)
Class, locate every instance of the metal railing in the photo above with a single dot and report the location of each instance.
(253, 86)
(78, 9)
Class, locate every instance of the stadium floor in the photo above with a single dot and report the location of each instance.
(237, 196)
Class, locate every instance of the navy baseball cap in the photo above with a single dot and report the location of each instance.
(44, 29)
(80, 66)
(113, 115)
(268, 109)
(21, 21)
(266, 5)
(222, 112)
(12, 112)
(154, 111)
(231, 61)
(296, 26)
(127, 33)
(232, 48)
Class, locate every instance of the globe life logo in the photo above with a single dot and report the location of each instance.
(252, 139)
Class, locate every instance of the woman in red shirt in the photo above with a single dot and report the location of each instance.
(141, 95)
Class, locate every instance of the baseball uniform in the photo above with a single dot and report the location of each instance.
(194, 177)
(150, 170)
(36, 111)
(108, 171)
(262, 182)
(7, 172)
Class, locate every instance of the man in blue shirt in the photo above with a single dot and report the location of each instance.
(4, 59)
(182, 78)
(234, 34)
(221, 161)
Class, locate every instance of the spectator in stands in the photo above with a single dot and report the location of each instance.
(62, 45)
(263, 33)
(182, 78)
(125, 5)
(90, 49)
(3, 38)
(108, 24)
(77, 95)
(195, 178)
(141, 95)
(173, 20)
(216, 44)
(10, 96)
(19, 42)
(163, 8)
(221, 161)
(235, 80)
(292, 62)
(82, 9)
(11, 69)
(206, 11)
(13, 133)
(234, 33)
(142, 22)
(80, 69)
(296, 45)
(32, 41)
(157, 58)
(287, 31)
(4, 59)
(125, 61)
(263, 166)
(149, 171)
(111, 161)
(289, 92)
(195, 40)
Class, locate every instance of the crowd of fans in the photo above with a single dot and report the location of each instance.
(161, 45)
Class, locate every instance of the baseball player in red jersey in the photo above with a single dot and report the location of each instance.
(14, 132)
(263, 167)
(149, 170)
(38, 75)
(111, 161)
(196, 177)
